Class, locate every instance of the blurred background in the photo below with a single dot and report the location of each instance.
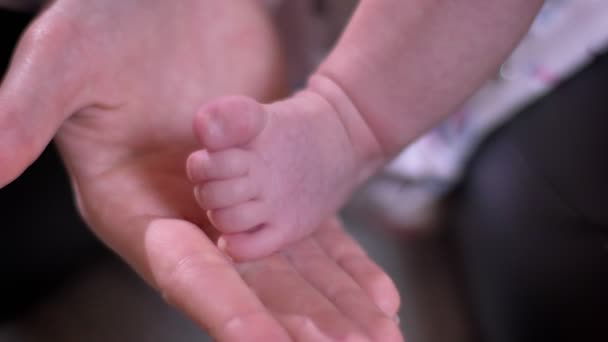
(494, 225)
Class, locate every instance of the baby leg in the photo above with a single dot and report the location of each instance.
(269, 174)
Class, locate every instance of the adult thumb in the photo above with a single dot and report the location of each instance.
(37, 94)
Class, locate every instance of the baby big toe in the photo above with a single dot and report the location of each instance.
(229, 122)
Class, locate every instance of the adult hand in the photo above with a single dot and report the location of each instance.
(120, 81)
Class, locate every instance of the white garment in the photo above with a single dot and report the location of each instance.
(563, 39)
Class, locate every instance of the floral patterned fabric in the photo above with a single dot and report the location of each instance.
(564, 38)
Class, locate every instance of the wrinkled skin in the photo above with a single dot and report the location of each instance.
(117, 84)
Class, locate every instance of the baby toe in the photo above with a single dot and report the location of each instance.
(204, 166)
(241, 218)
(225, 193)
(257, 244)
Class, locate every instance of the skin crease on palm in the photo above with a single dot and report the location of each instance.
(120, 82)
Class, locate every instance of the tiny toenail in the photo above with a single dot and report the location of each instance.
(204, 156)
(197, 195)
(214, 128)
(222, 244)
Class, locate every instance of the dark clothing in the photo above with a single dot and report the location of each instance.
(530, 221)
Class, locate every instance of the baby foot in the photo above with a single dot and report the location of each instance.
(269, 174)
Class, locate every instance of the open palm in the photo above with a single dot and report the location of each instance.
(119, 82)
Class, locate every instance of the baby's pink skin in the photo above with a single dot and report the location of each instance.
(400, 67)
(258, 156)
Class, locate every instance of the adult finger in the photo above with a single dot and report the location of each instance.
(39, 91)
(305, 312)
(194, 276)
(353, 260)
(311, 261)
